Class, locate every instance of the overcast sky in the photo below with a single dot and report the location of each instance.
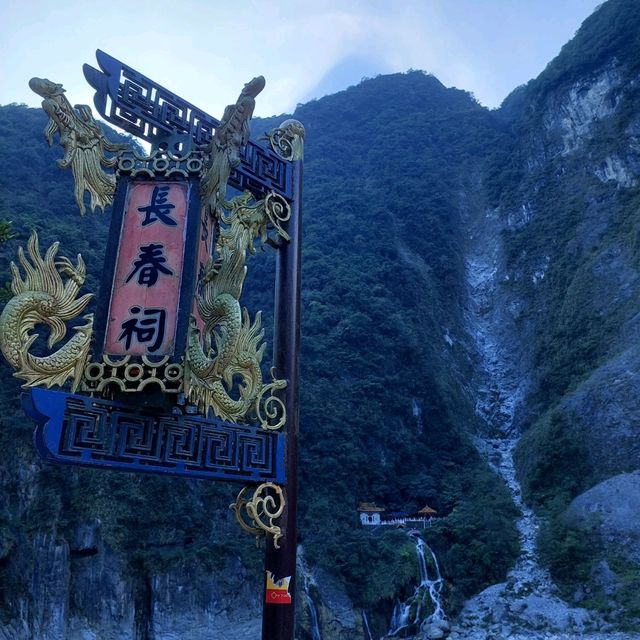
(206, 50)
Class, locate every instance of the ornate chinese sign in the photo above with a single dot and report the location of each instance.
(168, 378)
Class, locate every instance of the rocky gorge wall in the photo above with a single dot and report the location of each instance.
(573, 268)
(510, 317)
(72, 586)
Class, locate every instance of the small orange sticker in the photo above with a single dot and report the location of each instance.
(277, 591)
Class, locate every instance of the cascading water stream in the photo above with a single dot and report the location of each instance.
(399, 619)
(417, 414)
(311, 606)
(365, 626)
(313, 613)
(434, 586)
(409, 614)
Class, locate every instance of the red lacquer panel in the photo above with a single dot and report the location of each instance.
(205, 251)
(146, 286)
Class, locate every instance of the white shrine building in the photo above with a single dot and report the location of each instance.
(369, 513)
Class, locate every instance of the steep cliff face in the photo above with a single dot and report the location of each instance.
(573, 267)
(65, 582)
(595, 256)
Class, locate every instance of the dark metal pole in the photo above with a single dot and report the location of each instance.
(278, 620)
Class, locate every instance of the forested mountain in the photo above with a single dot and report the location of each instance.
(471, 299)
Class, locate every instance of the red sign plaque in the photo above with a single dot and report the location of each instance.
(146, 288)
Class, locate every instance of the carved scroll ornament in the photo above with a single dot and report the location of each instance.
(287, 140)
(265, 506)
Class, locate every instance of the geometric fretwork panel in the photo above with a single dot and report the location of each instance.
(129, 100)
(75, 429)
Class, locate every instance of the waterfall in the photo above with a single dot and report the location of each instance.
(308, 582)
(434, 586)
(313, 612)
(399, 618)
(409, 614)
(417, 414)
(365, 625)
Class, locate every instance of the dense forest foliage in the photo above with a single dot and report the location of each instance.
(382, 282)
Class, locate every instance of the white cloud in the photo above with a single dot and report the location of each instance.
(206, 51)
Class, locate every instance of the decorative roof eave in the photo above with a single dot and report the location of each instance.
(427, 510)
(370, 507)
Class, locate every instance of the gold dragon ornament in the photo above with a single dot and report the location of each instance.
(230, 136)
(230, 344)
(83, 142)
(227, 345)
(43, 297)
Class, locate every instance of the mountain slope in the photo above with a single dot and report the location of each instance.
(569, 211)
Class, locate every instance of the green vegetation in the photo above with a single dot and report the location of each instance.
(5, 231)
(478, 541)
(575, 557)
(569, 553)
(383, 274)
(556, 467)
(554, 462)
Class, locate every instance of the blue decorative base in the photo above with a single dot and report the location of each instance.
(80, 430)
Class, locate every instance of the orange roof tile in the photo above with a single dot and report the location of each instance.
(427, 510)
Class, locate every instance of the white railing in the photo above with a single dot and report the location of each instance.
(397, 521)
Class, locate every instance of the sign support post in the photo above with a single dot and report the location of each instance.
(279, 621)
